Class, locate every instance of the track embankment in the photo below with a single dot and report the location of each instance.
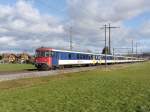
(30, 74)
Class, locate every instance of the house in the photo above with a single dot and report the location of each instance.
(9, 58)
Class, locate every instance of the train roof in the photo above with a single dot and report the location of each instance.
(79, 52)
(51, 49)
(43, 49)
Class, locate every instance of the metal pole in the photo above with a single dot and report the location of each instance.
(132, 49)
(105, 48)
(109, 40)
(110, 27)
(132, 46)
(136, 49)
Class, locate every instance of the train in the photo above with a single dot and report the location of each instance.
(49, 58)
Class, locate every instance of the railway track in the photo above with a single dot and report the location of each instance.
(30, 74)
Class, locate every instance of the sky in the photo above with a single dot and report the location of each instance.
(28, 24)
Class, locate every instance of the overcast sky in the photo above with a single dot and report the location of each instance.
(28, 24)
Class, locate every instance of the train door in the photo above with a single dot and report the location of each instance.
(55, 58)
(100, 59)
(94, 60)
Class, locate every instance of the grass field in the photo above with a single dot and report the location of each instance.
(118, 90)
(15, 67)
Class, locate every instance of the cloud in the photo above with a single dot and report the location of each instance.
(5, 40)
(88, 16)
(23, 26)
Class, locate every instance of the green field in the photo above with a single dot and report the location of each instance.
(116, 90)
(15, 67)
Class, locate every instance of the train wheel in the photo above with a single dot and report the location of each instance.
(44, 67)
(61, 67)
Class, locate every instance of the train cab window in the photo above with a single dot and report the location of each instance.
(43, 53)
(47, 54)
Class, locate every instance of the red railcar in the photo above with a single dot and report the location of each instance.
(43, 58)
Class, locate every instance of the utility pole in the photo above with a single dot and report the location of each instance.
(114, 54)
(110, 27)
(136, 49)
(105, 28)
(109, 49)
(113, 51)
(105, 47)
(71, 38)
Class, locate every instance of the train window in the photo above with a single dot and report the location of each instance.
(47, 54)
(91, 56)
(96, 57)
(69, 56)
(111, 57)
(83, 56)
(87, 57)
(104, 57)
(108, 58)
(78, 56)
